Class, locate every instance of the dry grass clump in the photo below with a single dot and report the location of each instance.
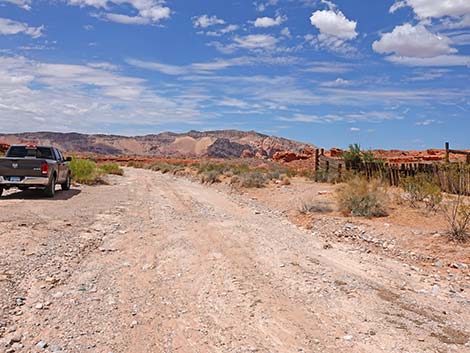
(164, 167)
(249, 180)
(361, 197)
(210, 177)
(457, 214)
(315, 206)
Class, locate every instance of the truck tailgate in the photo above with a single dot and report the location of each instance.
(22, 167)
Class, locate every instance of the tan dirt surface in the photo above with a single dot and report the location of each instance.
(154, 263)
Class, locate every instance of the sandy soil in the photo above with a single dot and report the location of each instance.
(154, 263)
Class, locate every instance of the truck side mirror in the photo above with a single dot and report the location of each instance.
(68, 159)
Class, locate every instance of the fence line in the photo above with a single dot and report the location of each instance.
(450, 177)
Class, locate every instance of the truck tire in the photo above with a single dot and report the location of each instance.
(66, 185)
(49, 191)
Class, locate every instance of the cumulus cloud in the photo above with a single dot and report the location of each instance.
(265, 22)
(148, 11)
(335, 31)
(205, 21)
(413, 42)
(10, 27)
(334, 23)
(435, 9)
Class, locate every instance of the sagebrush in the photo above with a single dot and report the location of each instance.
(361, 197)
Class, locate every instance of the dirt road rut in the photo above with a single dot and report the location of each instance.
(154, 263)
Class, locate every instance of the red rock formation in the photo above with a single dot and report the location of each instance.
(288, 156)
(247, 154)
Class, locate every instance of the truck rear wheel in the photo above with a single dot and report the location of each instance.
(66, 184)
(49, 191)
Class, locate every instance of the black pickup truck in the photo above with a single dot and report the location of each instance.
(31, 166)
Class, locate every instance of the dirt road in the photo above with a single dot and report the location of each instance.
(154, 263)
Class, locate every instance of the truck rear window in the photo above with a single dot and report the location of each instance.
(23, 152)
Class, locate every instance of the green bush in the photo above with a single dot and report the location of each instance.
(84, 171)
(111, 168)
(361, 197)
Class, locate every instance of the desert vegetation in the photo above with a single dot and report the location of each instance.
(85, 171)
(235, 173)
(361, 197)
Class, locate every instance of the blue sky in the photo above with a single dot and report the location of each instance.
(386, 74)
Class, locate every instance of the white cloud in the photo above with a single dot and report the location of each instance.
(155, 66)
(329, 67)
(370, 116)
(149, 11)
(83, 98)
(425, 122)
(205, 21)
(10, 27)
(355, 129)
(435, 8)
(206, 67)
(24, 4)
(265, 22)
(441, 60)
(429, 75)
(220, 32)
(339, 82)
(262, 6)
(334, 23)
(335, 31)
(286, 32)
(256, 41)
(413, 42)
(127, 20)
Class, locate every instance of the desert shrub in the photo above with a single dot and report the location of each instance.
(274, 175)
(210, 177)
(456, 209)
(420, 189)
(165, 167)
(111, 168)
(249, 180)
(457, 213)
(361, 197)
(315, 206)
(135, 164)
(85, 172)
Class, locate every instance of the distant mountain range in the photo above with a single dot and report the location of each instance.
(214, 144)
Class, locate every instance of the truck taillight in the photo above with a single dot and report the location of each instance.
(44, 168)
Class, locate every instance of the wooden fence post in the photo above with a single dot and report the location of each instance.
(317, 159)
(447, 152)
